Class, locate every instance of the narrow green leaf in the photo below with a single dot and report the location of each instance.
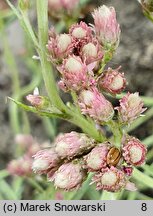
(3, 174)
(50, 112)
(143, 178)
(7, 191)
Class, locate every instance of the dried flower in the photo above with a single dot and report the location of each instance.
(45, 160)
(71, 144)
(110, 179)
(112, 81)
(94, 104)
(96, 159)
(69, 176)
(134, 152)
(131, 106)
(106, 27)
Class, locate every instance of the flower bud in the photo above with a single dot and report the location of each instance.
(127, 170)
(110, 179)
(75, 74)
(69, 176)
(112, 81)
(96, 159)
(106, 27)
(38, 101)
(131, 106)
(95, 105)
(45, 160)
(20, 167)
(71, 144)
(134, 152)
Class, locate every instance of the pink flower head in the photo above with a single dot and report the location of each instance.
(106, 27)
(38, 101)
(91, 52)
(24, 140)
(96, 159)
(69, 176)
(75, 74)
(55, 5)
(33, 149)
(59, 46)
(70, 4)
(20, 167)
(134, 152)
(112, 81)
(45, 160)
(131, 106)
(94, 104)
(81, 31)
(110, 179)
(71, 144)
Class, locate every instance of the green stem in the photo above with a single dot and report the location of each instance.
(34, 183)
(117, 132)
(148, 141)
(142, 178)
(109, 196)
(47, 72)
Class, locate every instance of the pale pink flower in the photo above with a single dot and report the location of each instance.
(59, 46)
(33, 149)
(106, 27)
(131, 107)
(69, 176)
(134, 152)
(110, 179)
(75, 74)
(20, 167)
(91, 52)
(70, 4)
(24, 140)
(71, 144)
(96, 159)
(38, 101)
(55, 5)
(112, 81)
(44, 160)
(81, 31)
(94, 104)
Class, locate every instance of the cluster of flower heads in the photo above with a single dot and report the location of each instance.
(74, 155)
(79, 57)
(60, 5)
